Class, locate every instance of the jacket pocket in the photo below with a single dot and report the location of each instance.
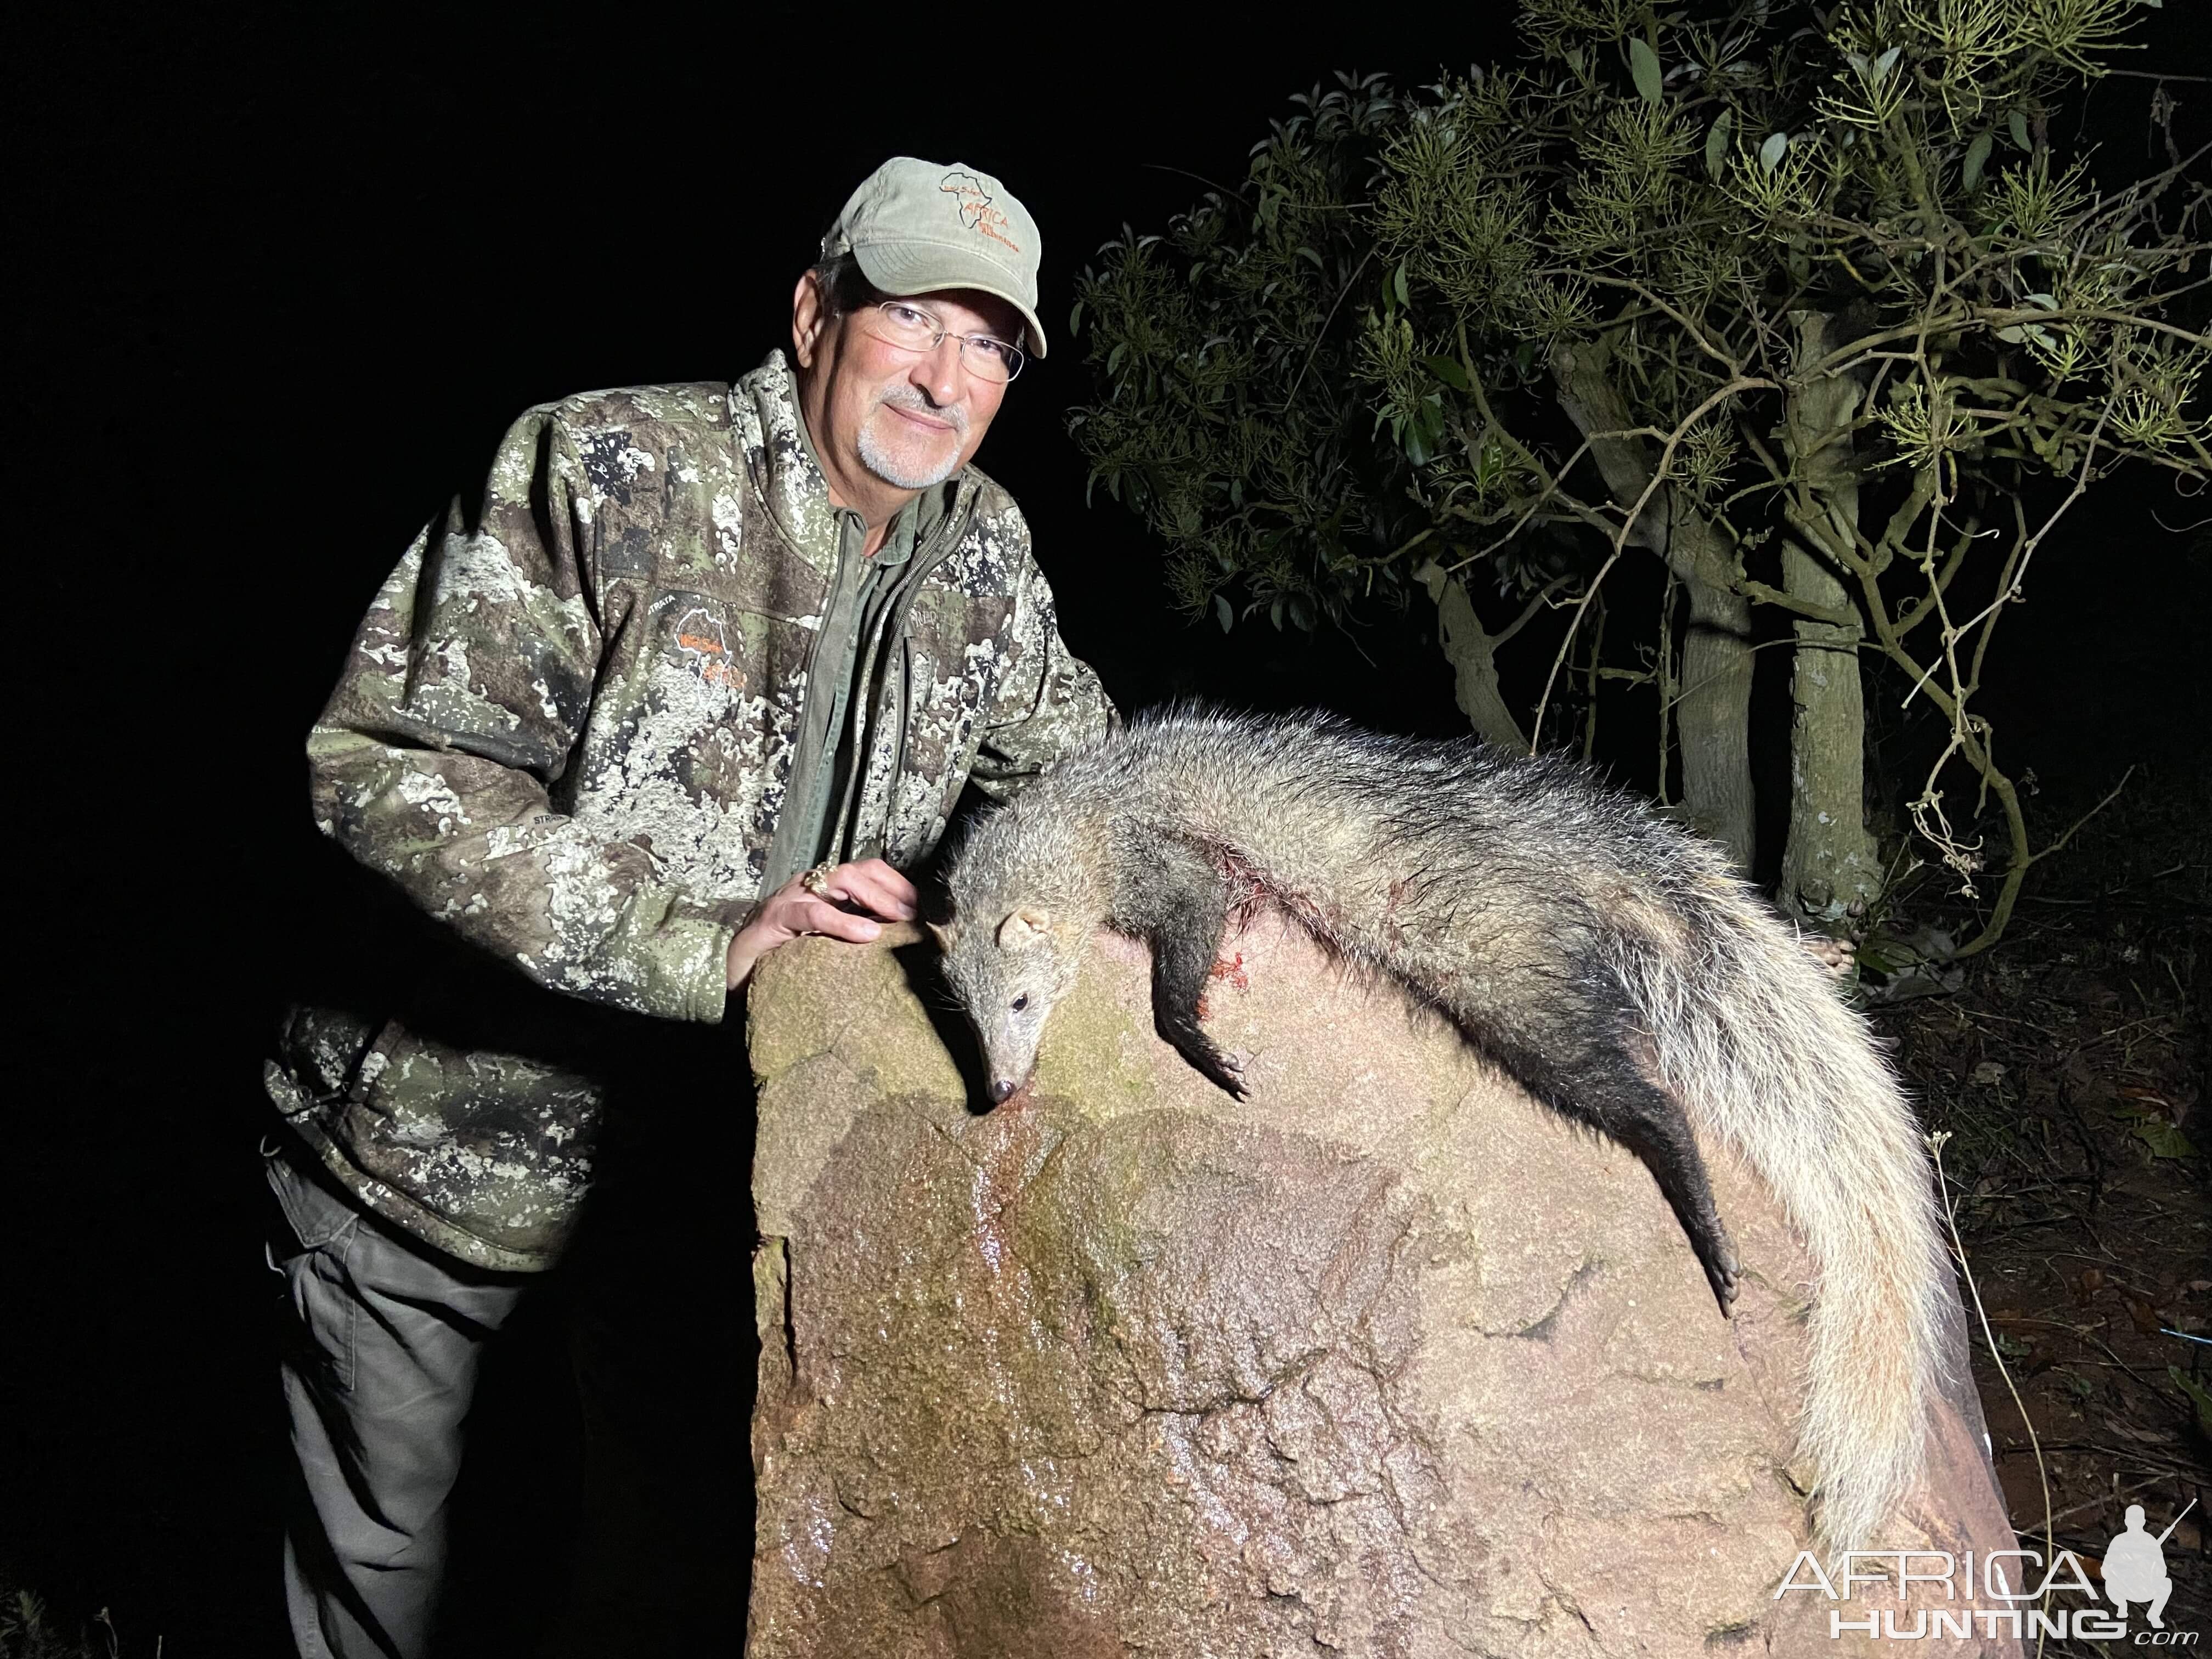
(321, 1336)
(316, 1215)
(495, 1144)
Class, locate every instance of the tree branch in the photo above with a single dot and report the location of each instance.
(1741, 383)
(1791, 602)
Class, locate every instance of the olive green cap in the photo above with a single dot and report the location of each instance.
(920, 228)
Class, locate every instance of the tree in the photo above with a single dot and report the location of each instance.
(1803, 302)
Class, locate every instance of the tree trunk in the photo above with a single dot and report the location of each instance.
(1830, 868)
(1714, 717)
(1473, 653)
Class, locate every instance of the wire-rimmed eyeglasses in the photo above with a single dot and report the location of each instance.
(895, 322)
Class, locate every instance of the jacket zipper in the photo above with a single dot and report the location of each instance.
(893, 628)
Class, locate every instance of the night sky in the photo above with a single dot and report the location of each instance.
(290, 279)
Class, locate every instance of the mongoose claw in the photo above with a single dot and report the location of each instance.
(1219, 1069)
(1208, 1062)
(1722, 1271)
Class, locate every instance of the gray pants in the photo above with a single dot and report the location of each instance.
(385, 1342)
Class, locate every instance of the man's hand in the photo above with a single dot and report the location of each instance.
(795, 908)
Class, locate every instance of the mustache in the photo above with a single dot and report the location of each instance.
(906, 396)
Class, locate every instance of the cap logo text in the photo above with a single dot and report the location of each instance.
(976, 212)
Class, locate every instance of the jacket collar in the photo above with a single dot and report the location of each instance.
(764, 407)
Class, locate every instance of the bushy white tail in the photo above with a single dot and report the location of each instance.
(1760, 1048)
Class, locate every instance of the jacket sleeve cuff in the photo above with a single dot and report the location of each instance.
(688, 960)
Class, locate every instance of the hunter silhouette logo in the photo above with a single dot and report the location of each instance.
(2135, 1566)
(976, 212)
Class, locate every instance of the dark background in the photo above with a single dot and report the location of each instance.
(288, 281)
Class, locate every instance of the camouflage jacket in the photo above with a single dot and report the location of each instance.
(566, 729)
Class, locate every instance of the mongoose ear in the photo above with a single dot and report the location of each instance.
(1023, 926)
(942, 934)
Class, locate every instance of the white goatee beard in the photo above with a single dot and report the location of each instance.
(877, 457)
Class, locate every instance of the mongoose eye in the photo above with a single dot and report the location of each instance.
(1021, 1002)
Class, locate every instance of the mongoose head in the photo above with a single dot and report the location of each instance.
(1010, 969)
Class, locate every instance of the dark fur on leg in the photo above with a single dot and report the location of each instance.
(1179, 903)
(1601, 1085)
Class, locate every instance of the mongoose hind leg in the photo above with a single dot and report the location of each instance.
(1180, 904)
(1603, 1087)
(1663, 1139)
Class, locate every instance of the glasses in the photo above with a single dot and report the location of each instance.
(984, 355)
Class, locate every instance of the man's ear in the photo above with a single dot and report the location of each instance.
(1025, 926)
(942, 934)
(809, 315)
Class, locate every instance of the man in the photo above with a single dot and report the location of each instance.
(707, 670)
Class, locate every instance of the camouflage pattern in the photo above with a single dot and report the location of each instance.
(566, 730)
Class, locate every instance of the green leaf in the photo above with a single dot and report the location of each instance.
(1308, 254)
(1717, 144)
(2159, 1137)
(1769, 152)
(1275, 614)
(1978, 156)
(1222, 613)
(1643, 65)
(1425, 434)
(1886, 62)
(1114, 357)
(2198, 1395)
(1448, 370)
(2018, 123)
(1398, 281)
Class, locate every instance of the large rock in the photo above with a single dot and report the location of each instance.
(1385, 1361)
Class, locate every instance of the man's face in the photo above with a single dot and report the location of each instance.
(908, 419)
